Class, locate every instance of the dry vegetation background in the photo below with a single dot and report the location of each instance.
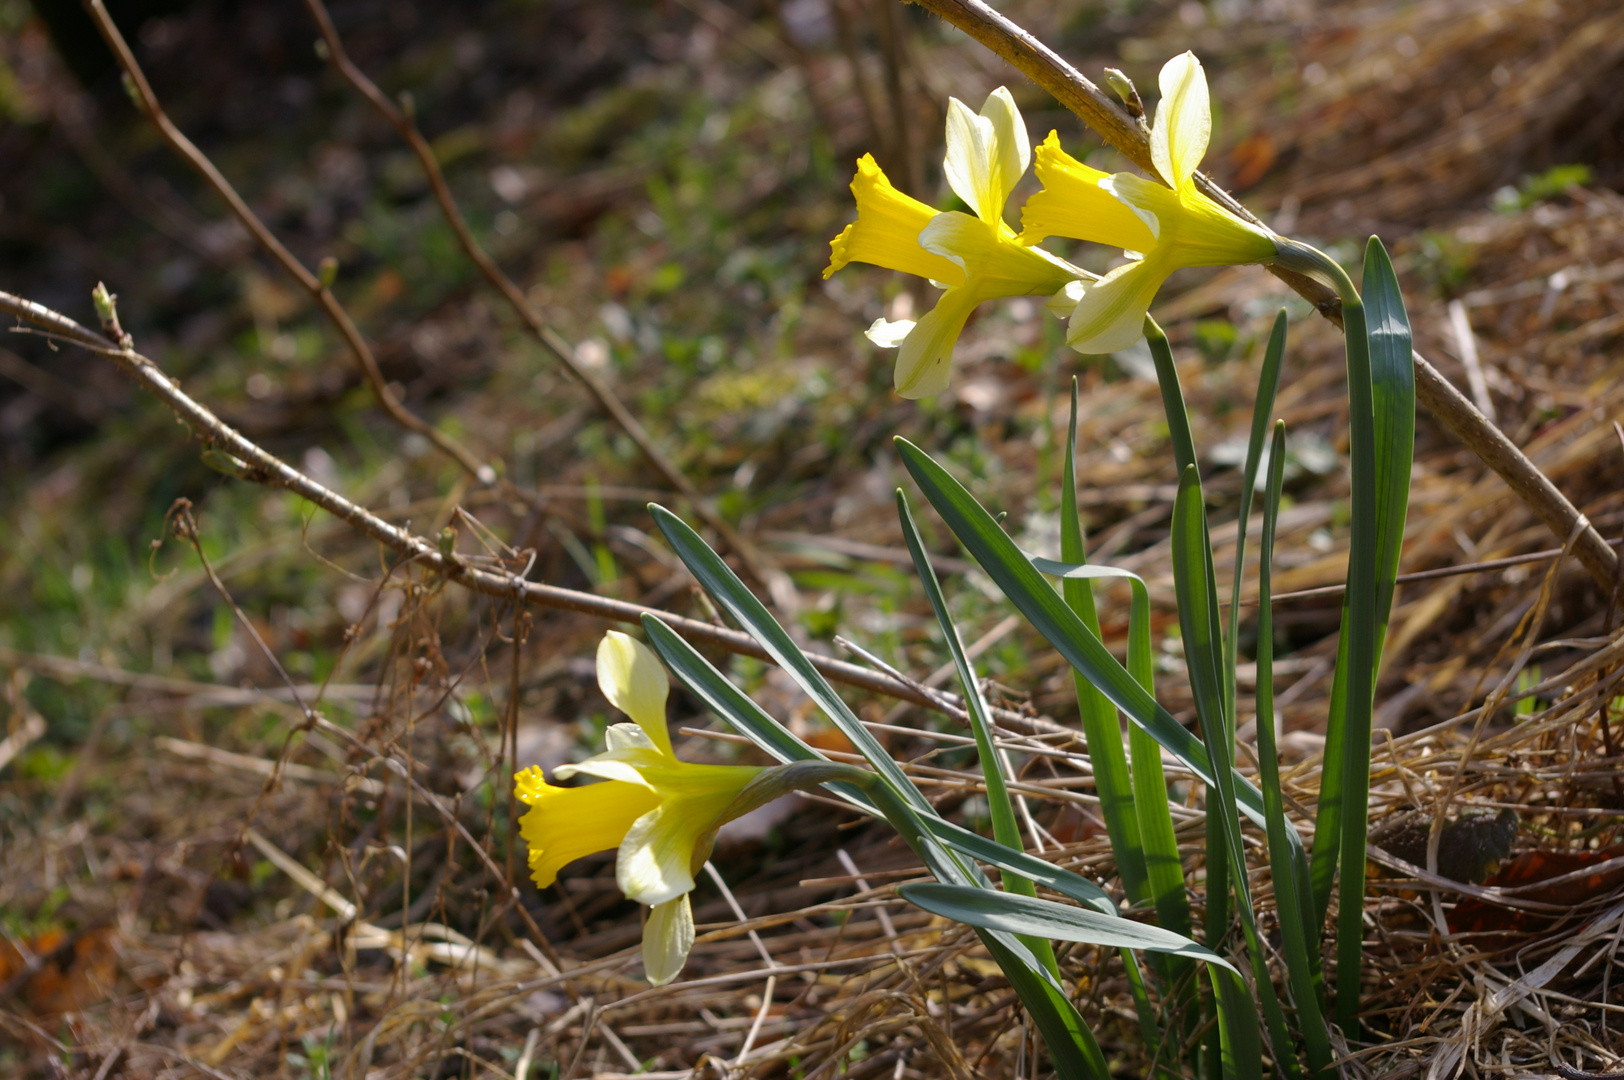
(194, 880)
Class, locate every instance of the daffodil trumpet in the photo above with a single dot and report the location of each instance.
(972, 257)
(660, 812)
(1161, 226)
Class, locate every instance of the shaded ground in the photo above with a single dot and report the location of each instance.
(661, 180)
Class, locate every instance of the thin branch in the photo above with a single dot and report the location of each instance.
(260, 467)
(406, 127)
(147, 102)
(1446, 403)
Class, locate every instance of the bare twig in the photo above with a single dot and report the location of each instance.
(147, 102)
(406, 128)
(264, 468)
(1451, 408)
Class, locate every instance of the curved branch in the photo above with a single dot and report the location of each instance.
(261, 467)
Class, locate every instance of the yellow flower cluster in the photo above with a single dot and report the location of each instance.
(1161, 226)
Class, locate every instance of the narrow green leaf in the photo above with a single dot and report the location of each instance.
(1045, 918)
(705, 682)
(1019, 914)
(1102, 731)
(1392, 380)
(1203, 654)
(1163, 866)
(1184, 459)
(1072, 1047)
(1019, 580)
(999, 806)
(1042, 871)
(1384, 456)
(1268, 383)
(733, 597)
(1299, 930)
(717, 691)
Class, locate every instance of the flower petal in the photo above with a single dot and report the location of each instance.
(888, 335)
(658, 856)
(626, 737)
(1178, 138)
(629, 766)
(926, 359)
(1064, 302)
(886, 232)
(668, 937)
(564, 824)
(1011, 148)
(969, 162)
(996, 264)
(1194, 230)
(1111, 314)
(1073, 203)
(634, 681)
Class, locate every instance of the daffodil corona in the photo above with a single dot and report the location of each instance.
(1162, 228)
(661, 812)
(972, 258)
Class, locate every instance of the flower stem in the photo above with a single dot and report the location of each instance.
(1344, 809)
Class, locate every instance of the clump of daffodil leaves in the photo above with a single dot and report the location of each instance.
(1161, 225)
(660, 812)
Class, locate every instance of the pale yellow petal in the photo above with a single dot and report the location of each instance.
(1194, 230)
(1178, 138)
(630, 765)
(995, 265)
(658, 856)
(1111, 314)
(633, 679)
(626, 737)
(886, 232)
(1010, 152)
(888, 335)
(563, 824)
(926, 360)
(668, 937)
(969, 163)
(1072, 203)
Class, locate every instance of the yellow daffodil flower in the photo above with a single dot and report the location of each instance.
(662, 813)
(972, 258)
(1162, 228)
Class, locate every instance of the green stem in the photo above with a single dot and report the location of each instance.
(1339, 841)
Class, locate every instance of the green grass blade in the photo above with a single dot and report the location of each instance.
(1030, 866)
(1299, 929)
(1203, 653)
(1000, 808)
(739, 602)
(1102, 731)
(1073, 1050)
(1376, 533)
(1262, 409)
(1019, 914)
(1019, 580)
(717, 691)
(719, 694)
(1392, 380)
(1384, 455)
(1163, 867)
(1060, 922)
(1184, 459)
